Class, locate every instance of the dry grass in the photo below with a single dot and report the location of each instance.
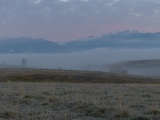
(73, 101)
(28, 94)
(41, 75)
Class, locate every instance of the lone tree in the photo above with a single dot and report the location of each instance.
(23, 62)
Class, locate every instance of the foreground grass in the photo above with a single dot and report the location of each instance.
(79, 101)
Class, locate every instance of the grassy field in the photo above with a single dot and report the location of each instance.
(53, 98)
(70, 76)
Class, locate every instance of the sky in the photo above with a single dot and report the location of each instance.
(67, 20)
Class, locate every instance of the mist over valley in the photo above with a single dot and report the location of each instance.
(93, 60)
(103, 53)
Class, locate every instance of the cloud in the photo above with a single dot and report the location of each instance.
(3, 22)
(64, 0)
(85, 0)
(157, 11)
(36, 1)
(136, 14)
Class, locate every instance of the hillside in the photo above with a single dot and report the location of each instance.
(138, 67)
(68, 76)
(139, 63)
(27, 45)
(125, 39)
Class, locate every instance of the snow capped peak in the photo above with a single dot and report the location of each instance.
(131, 31)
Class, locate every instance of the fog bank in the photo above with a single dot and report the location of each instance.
(97, 59)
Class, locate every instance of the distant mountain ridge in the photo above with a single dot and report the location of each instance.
(124, 39)
(27, 45)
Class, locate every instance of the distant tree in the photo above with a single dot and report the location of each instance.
(23, 62)
(88, 67)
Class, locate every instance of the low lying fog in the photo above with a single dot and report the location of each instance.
(89, 60)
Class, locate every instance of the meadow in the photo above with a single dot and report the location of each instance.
(28, 94)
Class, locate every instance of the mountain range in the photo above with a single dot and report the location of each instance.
(124, 39)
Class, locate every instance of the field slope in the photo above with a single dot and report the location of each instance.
(45, 75)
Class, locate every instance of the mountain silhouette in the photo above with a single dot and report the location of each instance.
(126, 39)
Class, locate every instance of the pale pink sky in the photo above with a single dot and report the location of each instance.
(66, 20)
